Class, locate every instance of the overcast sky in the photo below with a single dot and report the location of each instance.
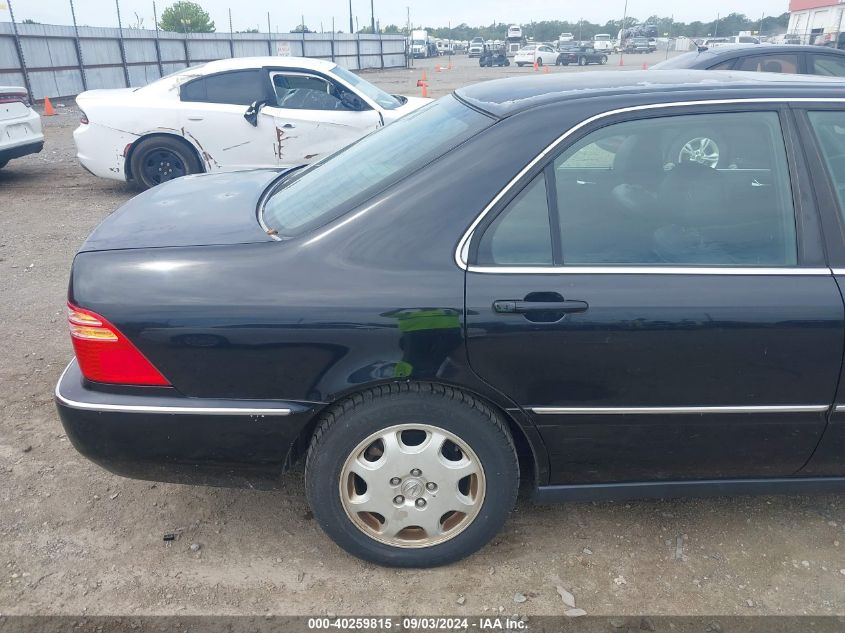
(284, 14)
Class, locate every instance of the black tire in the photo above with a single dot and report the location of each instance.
(582, 61)
(341, 430)
(520, 64)
(539, 61)
(174, 156)
(604, 59)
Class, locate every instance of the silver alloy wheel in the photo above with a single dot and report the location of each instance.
(398, 507)
(701, 150)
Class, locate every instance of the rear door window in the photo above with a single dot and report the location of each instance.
(774, 63)
(240, 87)
(827, 65)
(829, 127)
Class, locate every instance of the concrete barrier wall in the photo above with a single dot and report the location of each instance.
(59, 63)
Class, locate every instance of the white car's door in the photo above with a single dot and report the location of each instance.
(212, 118)
(314, 117)
(546, 54)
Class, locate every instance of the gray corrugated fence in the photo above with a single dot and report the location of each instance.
(58, 64)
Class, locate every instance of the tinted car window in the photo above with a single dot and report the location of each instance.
(240, 87)
(778, 63)
(520, 235)
(684, 190)
(724, 65)
(830, 131)
(829, 65)
(342, 181)
(304, 92)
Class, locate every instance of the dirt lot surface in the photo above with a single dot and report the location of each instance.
(75, 539)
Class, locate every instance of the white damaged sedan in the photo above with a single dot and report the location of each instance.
(230, 114)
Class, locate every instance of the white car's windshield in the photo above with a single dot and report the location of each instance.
(386, 101)
(344, 180)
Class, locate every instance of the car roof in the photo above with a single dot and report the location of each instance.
(239, 63)
(759, 49)
(505, 97)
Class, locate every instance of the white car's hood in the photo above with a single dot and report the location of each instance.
(414, 103)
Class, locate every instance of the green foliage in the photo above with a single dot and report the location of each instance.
(186, 17)
(550, 30)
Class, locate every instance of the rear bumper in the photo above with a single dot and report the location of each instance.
(165, 437)
(100, 150)
(8, 153)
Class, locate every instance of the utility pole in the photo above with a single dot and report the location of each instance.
(351, 27)
(622, 35)
(760, 28)
(716, 28)
(373, 16)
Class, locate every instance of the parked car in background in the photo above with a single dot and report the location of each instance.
(603, 42)
(20, 125)
(476, 49)
(631, 301)
(638, 45)
(792, 59)
(228, 115)
(582, 56)
(539, 53)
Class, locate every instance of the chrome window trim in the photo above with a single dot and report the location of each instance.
(839, 271)
(839, 408)
(647, 270)
(462, 249)
(811, 408)
(129, 408)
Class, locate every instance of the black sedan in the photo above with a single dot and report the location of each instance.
(639, 298)
(582, 56)
(802, 60)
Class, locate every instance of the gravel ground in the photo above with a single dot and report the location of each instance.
(75, 539)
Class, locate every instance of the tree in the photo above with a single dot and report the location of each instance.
(300, 28)
(186, 17)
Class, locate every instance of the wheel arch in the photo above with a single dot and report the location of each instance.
(533, 458)
(127, 159)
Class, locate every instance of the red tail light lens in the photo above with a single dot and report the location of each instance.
(83, 119)
(106, 355)
(14, 97)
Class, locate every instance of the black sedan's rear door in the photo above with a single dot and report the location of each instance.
(676, 322)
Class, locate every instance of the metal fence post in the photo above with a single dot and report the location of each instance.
(381, 50)
(78, 48)
(122, 45)
(358, 49)
(231, 37)
(157, 43)
(19, 49)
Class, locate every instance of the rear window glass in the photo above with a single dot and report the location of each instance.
(685, 60)
(344, 180)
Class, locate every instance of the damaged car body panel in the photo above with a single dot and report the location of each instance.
(230, 115)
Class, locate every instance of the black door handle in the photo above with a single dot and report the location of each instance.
(510, 306)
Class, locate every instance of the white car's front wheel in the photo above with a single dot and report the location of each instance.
(157, 159)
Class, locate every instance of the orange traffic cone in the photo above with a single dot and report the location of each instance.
(48, 107)
(621, 60)
(424, 77)
(536, 66)
(437, 68)
(423, 83)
